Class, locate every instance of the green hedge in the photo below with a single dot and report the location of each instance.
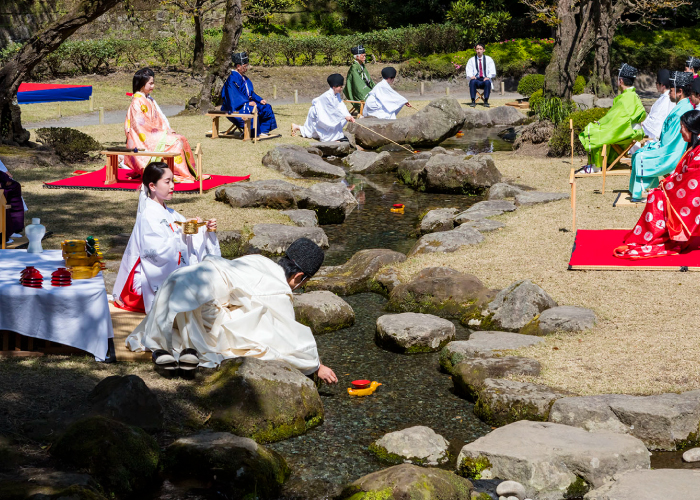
(560, 143)
(529, 84)
(579, 85)
(650, 50)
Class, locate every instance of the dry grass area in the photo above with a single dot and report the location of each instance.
(642, 344)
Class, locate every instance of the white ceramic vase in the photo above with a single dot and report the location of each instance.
(35, 232)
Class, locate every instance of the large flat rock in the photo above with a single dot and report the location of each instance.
(483, 344)
(274, 239)
(502, 401)
(412, 333)
(369, 162)
(440, 219)
(561, 319)
(663, 422)
(468, 376)
(670, 484)
(552, 461)
(296, 162)
(450, 173)
(356, 274)
(535, 197)
(430, 126)
(446, 241)
(418, 445)
(323, 311)
(333, 148)
(500, 115)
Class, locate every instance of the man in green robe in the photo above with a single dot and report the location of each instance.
(659, 158)
(358, 83)
(620, 125)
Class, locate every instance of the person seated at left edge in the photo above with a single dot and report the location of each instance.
(238, 96)
(621, 124)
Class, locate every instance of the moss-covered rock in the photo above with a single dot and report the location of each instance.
(354, 276)
(473, 467)
(323, 311)
(122, 458)
(408, 482)
(69, 144)
(418, 445)
(440, 291)
(264, 400)
(468, 376)
(238, 466)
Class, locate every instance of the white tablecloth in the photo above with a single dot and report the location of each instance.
(76, 315)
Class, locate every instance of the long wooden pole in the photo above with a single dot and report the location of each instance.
(383, 137)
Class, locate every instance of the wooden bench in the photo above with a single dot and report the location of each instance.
(169, 158)
(216, 115)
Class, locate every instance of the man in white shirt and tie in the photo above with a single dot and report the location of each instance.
(480, 71)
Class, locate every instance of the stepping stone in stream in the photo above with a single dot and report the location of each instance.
(410, 333)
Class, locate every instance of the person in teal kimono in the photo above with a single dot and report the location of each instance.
(659, 158)
(620, 125)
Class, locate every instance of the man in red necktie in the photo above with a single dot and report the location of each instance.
(480, 71)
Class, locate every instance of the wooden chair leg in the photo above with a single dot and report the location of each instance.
(198, 162)
(111, 170)
(215, 127)
(6, 341)
(170, 162)
(255, 126)
(571, 126)
(605, 164)
(246, 130)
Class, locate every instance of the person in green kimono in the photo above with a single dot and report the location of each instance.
(358, 82)
(620, 125)
(659, 158)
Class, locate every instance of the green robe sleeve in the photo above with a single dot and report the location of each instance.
(358, 83)
(616, 126)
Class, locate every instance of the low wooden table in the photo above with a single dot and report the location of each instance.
(216, 114)
(113, 161)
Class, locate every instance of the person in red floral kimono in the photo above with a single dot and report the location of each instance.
(672, 212)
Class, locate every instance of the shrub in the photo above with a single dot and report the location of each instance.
(536, 99)
(560, 143)
(69, 144)
(529, 84)
(579, 85)
(553, 109)
(437, 66)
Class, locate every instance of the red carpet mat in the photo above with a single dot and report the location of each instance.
(593, 250)
(96, 180)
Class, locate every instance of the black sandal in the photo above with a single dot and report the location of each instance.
(188, 359)
(164, 360)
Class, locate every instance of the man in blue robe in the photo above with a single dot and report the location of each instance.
(659, 158)
(238, 96)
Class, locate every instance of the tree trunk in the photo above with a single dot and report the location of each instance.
(213, 81)
(607, 19)
(574, 39)
(39, 46)
(198, 57)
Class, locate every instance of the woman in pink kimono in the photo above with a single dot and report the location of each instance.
(147, 128)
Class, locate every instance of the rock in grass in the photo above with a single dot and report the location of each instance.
(418, 445)
(484, 209)
(406, 481)
(274, 239)
(650, 485)
(122, 458)
(302, 218)
(663, 421)
(333, 148)
(356, 274)
(468, 376)
(323, 311)
(501, 402)
(561, 319)
(502, 191)
(484, 345)
(441, 219)
(237, 466)
(441, 291)
(296, 162)
(127, 399)
(482, 225)
(552, 461)
(264, 400)
(411, 333)
(513, 308)
(446, 241)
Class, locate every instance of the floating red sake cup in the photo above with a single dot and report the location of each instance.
(360, 384)
(398, 205)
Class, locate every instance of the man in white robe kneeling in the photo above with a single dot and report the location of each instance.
(327, 115)
(220, 309)
(383, 101)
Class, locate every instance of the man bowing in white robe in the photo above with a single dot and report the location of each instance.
(220, 309)
(327, 115)
(383, 101)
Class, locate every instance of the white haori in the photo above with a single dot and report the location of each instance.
(383, 102)
(326, 118)
(162, 247)
(226, 309)
(657, 115)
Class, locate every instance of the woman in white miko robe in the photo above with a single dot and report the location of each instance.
(383, 101)
(221, 309)
(327, 115)
(157, 245)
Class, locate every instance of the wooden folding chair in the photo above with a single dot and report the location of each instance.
(361, 103)
(479, 95)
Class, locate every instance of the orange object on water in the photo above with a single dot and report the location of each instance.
(364, 392)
